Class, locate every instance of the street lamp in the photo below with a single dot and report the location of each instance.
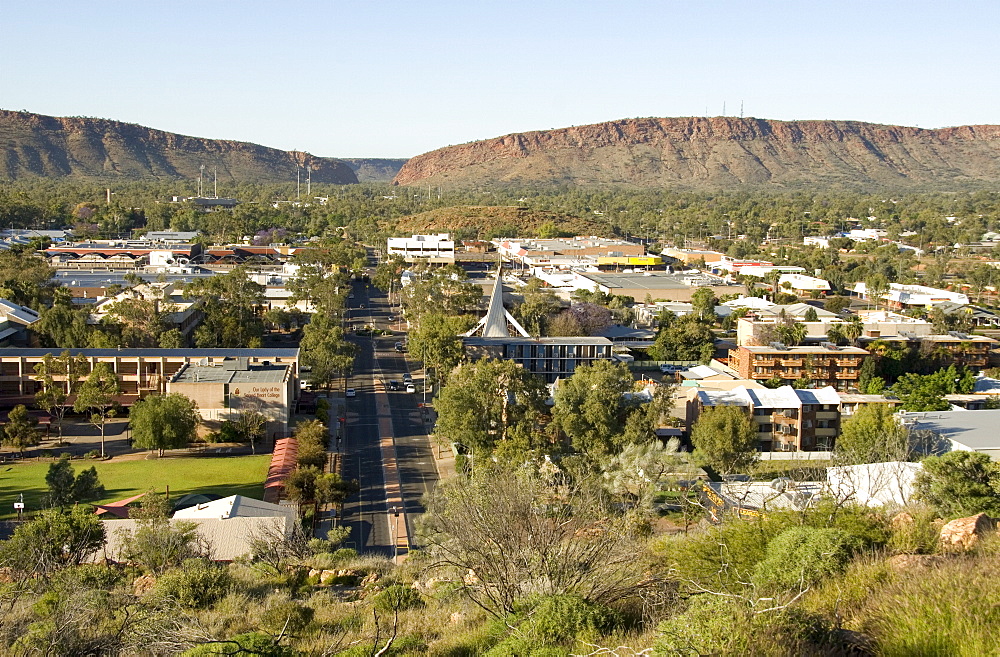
(395, 533)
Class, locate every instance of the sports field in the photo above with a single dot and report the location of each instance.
(222, 475)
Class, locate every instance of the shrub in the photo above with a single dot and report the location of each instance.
(397, 597)
(952, 609)
(801, 556)
(917, 537)
(283, 615)
(251, 644)
(551, 624)
(94, 454)
(197, 583)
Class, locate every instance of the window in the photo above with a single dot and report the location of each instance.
(806, 408)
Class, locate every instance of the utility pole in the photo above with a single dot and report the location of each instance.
(298, 182)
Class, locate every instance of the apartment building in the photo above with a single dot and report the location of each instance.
(972, 351)
(787, 420)
(825, 364)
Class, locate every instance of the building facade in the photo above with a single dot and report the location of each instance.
(825, 364)
(787, 420)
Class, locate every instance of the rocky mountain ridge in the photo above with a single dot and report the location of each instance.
(720, 152)
(47, 146)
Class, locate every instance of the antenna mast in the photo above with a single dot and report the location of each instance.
(201, 178)
(215, 174)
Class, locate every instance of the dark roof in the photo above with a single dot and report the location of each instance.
(264, 352)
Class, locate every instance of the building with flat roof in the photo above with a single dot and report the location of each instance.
(654, 284)
(937, 432)
(439, 248)
(140, 372)
(226, 390)
(913, 296)
(824, 364)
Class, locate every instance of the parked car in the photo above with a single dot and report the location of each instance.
(672, 369)
(351, 392)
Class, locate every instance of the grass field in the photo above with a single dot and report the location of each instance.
(243, 475)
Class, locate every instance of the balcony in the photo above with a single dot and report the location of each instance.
(847, 362)
(764, 362)
(846, 376)
(826, 433)
(826, 415)
(791, 362)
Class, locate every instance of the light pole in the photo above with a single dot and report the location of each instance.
(395, 533)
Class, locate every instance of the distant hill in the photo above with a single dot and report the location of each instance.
(370, 169)
(47, 146)
(720, 153)
(484, 221)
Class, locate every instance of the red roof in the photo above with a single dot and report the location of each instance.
(283, 462)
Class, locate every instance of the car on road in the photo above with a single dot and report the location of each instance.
(407, 378)
(350, 296)
(399, 347)
(410, 387)
(351, 392)
(394, 385)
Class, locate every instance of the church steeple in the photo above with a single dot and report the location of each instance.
(497, 322)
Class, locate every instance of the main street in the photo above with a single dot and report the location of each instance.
(373, 525)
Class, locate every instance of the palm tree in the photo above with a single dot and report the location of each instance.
(853, 329)
(835, 334)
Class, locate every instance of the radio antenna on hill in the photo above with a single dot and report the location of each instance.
(309, 180)
(215, 183)
(723, 108)
(201, 178)
(298, 182)
(741, 109)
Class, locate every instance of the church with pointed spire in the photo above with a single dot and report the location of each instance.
(498, 335)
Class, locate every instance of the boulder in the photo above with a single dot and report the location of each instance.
(964, 533)
(901, 520)
(906, 562)
(471, 578)
(143, 584)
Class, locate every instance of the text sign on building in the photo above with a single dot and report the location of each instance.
(262, 393)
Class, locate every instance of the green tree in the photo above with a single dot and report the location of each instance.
(53, 540)
(537, 309)
(960, 484)
(21, 429)
(810, 315)
(726, 438)
(591, 408)
(324, 350)
(164, 422)
(437, 342)
(231, 304)
(703, 303)
(685, 338)
(871, 435)
(54, 392)
(97, 394)
(66, 487)
(926, 392)
(488, 402)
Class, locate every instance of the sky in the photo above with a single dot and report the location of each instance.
(386, 78)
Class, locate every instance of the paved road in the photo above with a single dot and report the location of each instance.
(377, 359)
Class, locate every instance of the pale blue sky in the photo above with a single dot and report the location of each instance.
(395, 79)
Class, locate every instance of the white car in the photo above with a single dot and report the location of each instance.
(351, 392)
(410, 387)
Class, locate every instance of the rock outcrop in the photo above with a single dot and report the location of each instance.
(721, 152)
(964, 533)
(48, 146)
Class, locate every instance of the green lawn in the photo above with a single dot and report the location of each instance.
(243, 475)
